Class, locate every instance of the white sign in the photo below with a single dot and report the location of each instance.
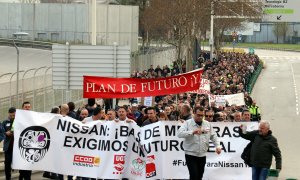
(221, 100)
(256, 27)
(237, 99)
(281, 11)
(204, 87)
(148, 101)
(116, 150)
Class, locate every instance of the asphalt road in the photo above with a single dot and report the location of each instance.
(277, 93)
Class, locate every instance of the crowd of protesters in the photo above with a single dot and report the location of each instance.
(228, 73)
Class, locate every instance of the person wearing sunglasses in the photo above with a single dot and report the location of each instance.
(197, 132)
(209, 115)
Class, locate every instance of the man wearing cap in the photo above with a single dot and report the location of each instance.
(8, 141)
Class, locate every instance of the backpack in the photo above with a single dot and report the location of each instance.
(246, 154)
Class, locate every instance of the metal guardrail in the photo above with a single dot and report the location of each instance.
(26, 43)
(254, 77)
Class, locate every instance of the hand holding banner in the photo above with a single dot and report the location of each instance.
(116, 150)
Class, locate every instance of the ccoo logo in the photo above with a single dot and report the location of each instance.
(34, 143)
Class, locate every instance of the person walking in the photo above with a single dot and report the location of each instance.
(8, 141)
(25, 174)
(264, 146)
(254, 111)
(196, 133)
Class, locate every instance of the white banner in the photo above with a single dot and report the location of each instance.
(237, 99)
(106, 149)
(161, 144)
(221, 100)
(204, 87)
(114, 150)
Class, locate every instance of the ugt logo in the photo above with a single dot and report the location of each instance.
(150, 166)
(119, 161)
(34, 143)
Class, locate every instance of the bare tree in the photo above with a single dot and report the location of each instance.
(179, 22)
(280, 30)
(230, 15)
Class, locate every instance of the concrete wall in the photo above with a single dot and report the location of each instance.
(70, 22)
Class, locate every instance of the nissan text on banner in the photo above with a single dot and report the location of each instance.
(105, 87)
(115, 150)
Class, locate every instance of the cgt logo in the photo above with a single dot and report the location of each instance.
(87, 161)
(119, 161)
(150, 166)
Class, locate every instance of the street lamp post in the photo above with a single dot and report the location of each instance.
(211, 39)
(18, 62)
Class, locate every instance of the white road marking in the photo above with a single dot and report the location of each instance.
(280, 57)
(295, 87)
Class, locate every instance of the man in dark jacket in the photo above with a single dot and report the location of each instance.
(185, 112)
(264, 146)
(152, 116)
(25, 174)
(8, 141)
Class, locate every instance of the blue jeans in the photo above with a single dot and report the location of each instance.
(259, 173)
